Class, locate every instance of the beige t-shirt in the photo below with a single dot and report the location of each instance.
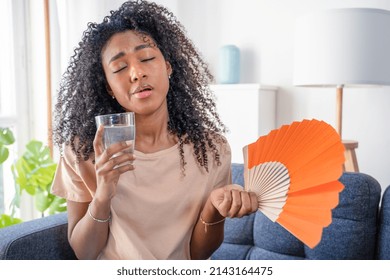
(155, 208)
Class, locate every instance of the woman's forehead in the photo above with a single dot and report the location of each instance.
(127, 41)
(129, 37)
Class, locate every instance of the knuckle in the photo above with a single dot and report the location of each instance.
(232, 214)
(99, 172)
(247, 208)
(124, 144)
(235, 192)
(228, 198)
(109, 154)
(116, 172)
(236, 204)
(114, 161)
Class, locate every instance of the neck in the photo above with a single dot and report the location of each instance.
(152, 133)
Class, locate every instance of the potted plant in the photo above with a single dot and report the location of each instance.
(6, 139)
(33, 173)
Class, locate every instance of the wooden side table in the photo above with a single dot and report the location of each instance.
(351, 163)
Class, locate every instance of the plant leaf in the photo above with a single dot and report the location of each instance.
(22, 175)
(34, 172)
(42, 201)
(6, 136)
(6, 220)
(37, 153)
(3, 153)
(57, 205)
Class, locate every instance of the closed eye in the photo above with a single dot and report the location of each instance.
(116, 71)
(147, 59)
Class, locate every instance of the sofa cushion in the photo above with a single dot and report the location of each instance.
(39, 239)
(350, 236)
(383, 252)
(255, 236)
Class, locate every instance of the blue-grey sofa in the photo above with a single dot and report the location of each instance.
(360, 230)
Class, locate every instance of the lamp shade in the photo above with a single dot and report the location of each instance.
(342, 47)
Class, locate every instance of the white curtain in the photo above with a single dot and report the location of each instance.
(14, 91)
(68, 20)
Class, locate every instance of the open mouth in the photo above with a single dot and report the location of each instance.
(142, 88)
(142, 92)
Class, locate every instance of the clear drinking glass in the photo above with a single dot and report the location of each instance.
(117, 128)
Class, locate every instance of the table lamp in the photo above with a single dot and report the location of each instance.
(341, 48)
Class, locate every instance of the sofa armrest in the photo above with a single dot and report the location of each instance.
(39, 239)
(383, 252)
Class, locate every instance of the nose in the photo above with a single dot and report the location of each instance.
(137, 74)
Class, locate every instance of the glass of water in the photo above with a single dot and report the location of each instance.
(117, 128)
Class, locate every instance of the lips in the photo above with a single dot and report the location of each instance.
(142, 91)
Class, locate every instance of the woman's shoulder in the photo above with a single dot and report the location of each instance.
(220, 141)
(69, 154)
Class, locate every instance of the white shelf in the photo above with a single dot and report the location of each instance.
(243, 87)
(248, 110)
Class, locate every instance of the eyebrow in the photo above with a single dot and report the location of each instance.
(137, 48)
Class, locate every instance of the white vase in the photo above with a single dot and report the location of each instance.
(229, 65)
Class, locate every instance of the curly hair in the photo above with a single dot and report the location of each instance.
(83, 93)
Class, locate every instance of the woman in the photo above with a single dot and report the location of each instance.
(172, 201)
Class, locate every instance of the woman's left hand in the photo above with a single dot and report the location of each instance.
(228, 201)
(233, 201)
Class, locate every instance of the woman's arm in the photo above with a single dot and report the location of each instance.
(88, 223)
(229, 201)
(206, 239)
(86, 236)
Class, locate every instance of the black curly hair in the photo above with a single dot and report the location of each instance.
(83, 92)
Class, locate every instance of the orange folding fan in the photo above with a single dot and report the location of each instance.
(294, 171)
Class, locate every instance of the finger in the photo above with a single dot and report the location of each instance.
(119, 160)
(247, 205)
(116, 171)
(254, 201)
(119, 147)
(236, 203)
(224, 206)
(109, 175)
(233, 187)
(124, 168)
(98, 145)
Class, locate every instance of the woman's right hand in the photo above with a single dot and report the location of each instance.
(109, 167)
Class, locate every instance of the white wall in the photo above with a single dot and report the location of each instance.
(264, 31)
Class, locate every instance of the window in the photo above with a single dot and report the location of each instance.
(14, 94)
(7, 97)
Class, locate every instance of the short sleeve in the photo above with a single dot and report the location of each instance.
(72, 180)
(224, 176)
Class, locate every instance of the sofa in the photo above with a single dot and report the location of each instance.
(360, 229)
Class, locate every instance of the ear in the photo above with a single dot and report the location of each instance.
(109, 90)
(169, 68)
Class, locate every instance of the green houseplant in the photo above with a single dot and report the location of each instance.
(33, 173)
(6, 139)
